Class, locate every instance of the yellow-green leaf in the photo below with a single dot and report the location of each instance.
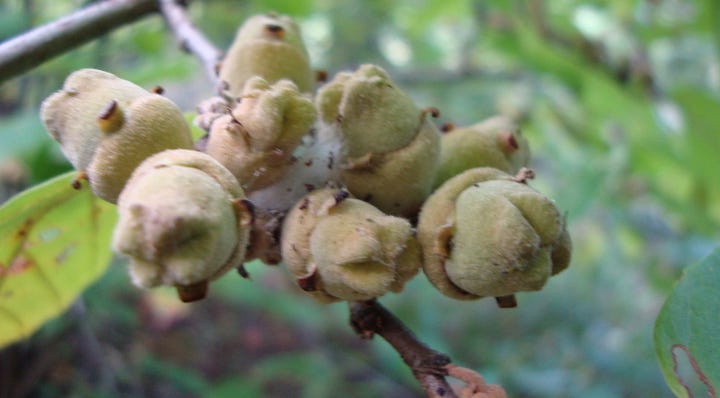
(55, 241)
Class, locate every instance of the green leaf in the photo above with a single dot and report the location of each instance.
(687, 331)
(55, 242)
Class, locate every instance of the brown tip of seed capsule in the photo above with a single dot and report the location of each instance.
(433, 111)
(108, 111)
(447, 127)
(340, 195)
(506, 301)
(276, 30)
(321, 76)
(76, 183)
(507, 141)
(308, 283)
(110, 118)
(245, 211)
(304, 204)
(243, 272)
(194, 292)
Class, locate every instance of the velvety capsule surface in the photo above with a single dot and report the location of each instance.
(107, 126)
(345, 249)
(181, 220)
(486, 233)
(268, 46)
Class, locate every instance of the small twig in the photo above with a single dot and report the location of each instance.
(36, 46)
(427, 365)
(191, 40)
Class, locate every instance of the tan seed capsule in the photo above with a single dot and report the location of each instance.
(256, 139)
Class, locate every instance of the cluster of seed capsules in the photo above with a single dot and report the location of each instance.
(350, 185)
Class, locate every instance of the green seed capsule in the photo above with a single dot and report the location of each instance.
(496, 142)
(182, 221)
(390, 151)
(107, 126)
(268, 46)
(342, 248)
(485, 233)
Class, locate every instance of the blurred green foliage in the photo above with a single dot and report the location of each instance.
(620, 101)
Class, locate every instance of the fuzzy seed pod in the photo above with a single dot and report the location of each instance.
(486, 233)
(107, 126)
(495, 142)
(390, 151)
(341, 248)
(255, 141)
(268, 46)
(182, 221)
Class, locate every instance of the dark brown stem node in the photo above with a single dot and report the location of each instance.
(506, 301)
(76, 183)
(242, 271)
(194, 292)
(430, 110)
(308, 283)
(447, 127)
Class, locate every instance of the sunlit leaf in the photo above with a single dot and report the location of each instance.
(687, 331)
(55, 242)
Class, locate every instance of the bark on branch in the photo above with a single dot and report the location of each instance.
(190, 39)
(427, 365)
(36, 46)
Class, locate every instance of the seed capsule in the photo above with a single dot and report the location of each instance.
(182, 222)
(486, 233)
(390, 151)
(107, 126)
(270, 47)
(496, 142)
(341, 248)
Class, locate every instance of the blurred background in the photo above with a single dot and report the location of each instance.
(620, 101)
